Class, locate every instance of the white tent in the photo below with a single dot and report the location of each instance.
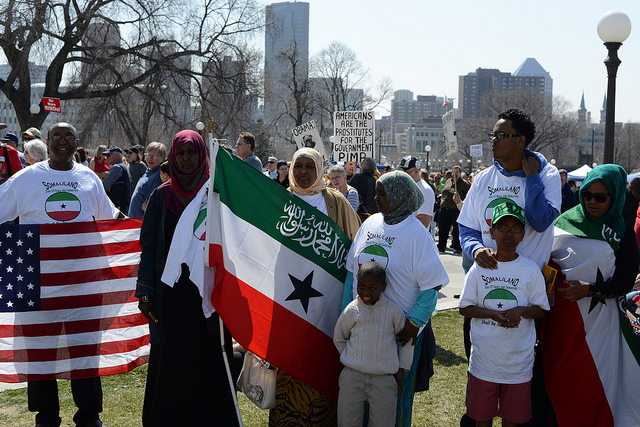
(579, 174)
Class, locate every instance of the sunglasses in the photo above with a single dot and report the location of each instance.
(599, 197)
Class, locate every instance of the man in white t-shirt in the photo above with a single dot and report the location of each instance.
(525, 178)
(59, 190)
(411, 165)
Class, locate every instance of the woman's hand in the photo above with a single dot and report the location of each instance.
(576, 291)
(145, 308)
(409, 332)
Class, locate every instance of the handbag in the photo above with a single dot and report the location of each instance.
(258, 381)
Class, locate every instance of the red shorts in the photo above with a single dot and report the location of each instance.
(487, 400)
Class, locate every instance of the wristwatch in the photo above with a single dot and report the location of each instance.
(145, 298)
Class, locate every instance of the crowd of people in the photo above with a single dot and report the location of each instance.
(511, 223)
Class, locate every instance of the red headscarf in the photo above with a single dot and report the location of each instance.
(181, 188)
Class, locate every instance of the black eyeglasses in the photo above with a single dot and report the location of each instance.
(501, 135)
(68, 138)
(505, 229)
(600, 197)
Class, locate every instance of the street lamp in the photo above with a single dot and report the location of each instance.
(427, 149)
(613, 28)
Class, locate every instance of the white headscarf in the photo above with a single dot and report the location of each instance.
(319, 183)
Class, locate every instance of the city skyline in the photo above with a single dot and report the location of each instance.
(425, 46)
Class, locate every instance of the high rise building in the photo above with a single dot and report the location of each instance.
(286, 46)
(406, 111)
(472, 87)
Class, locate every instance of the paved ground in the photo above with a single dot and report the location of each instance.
(453, 264)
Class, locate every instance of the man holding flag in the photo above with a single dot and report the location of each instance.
(69, 192)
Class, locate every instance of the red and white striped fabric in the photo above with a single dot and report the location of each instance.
(67, 305)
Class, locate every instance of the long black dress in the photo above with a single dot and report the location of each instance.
(187, 382)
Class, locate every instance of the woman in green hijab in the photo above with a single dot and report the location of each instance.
(395, 238)
(590, 368)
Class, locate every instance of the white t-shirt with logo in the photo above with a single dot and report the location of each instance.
(41, 195)
(491, 188)
(503, 355)
(408, 253)
(429, 199)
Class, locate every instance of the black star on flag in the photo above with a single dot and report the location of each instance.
(303, 291)
(596, 298)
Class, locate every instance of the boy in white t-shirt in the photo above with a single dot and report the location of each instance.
(502, 303)
(365, 336)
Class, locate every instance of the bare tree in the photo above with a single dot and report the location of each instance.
(339, 83)
(113, 45)
(229, 92)
(627, 146)
(556, 126)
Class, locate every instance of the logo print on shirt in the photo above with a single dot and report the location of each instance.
(62, 206)
(374, 253)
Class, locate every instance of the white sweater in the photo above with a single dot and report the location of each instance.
(365, 336)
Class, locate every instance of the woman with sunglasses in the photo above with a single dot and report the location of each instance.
(591, 373)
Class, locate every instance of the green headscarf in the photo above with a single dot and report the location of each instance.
(580, 223)
(403, 194)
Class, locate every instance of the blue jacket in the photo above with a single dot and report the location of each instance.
(146, 184)
(154, 244)
(539, 213)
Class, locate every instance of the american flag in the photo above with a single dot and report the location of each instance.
(67, 305)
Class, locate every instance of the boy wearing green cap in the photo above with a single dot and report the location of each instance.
(502, 303)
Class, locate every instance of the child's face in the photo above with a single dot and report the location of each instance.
(369, 288)
(508, 233)
(164, 176)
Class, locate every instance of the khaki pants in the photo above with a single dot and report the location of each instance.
(356, 388)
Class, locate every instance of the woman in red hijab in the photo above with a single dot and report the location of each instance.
(187, 381)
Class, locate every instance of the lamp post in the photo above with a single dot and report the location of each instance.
(427, 149)
(613, 28)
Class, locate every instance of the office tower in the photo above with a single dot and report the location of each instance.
(286, 54)
(473, 86)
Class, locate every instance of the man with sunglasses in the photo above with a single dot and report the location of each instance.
(59, 190)
(523, 177)
(271, 171)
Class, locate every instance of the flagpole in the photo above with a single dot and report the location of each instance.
(232, 387)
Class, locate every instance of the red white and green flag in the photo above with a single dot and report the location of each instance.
(280, 267)
(591, 356)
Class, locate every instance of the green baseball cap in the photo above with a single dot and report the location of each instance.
(507, 209)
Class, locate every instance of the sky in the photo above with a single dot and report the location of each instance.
(424, 45)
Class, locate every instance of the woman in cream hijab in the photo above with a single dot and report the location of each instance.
(297, 403)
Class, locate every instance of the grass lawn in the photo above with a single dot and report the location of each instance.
(441, 406)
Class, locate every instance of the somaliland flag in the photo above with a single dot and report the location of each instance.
(280, 268)
(67, 305)
(591, 357)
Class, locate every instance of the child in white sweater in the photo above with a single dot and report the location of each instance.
(365, 336)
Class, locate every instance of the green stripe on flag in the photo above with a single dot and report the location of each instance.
(60, 197)
(500, 294)
(286, 218)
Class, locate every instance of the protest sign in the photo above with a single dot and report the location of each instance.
(307, 135)
(449, 125)
(354, 135)
(475, 150)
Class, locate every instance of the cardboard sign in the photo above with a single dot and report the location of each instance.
(354, 135)
(449, 125)
(475, 150)
(307, 135)
(52, 105)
